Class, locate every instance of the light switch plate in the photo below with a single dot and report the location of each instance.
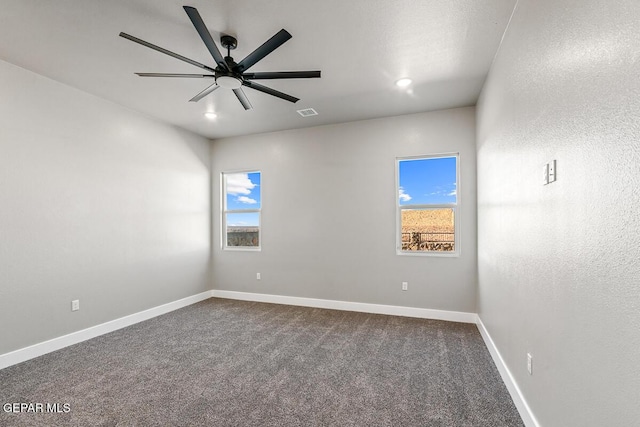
(552, 171)
(545, 174)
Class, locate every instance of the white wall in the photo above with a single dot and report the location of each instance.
(329, 213)
(98, 203)
(559, 265)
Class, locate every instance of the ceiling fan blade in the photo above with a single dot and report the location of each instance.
(243, 98)
(205, 35)
(204, 93)
(195, 76)
(270, 91)
(165, 51)
(267, 47)
(282, 75)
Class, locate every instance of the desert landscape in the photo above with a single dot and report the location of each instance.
(422, 230)
(428, 230)
(243, 236)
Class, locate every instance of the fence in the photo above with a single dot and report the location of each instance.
(236, 237)
(414, 241)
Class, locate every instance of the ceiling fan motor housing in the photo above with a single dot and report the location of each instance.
(230, 78)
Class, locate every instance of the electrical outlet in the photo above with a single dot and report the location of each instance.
(75, 305)
(529, 363)
(405, 286)
(257, 276)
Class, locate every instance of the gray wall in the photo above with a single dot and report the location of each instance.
(98, 203)
(559, 269)
(328, 213)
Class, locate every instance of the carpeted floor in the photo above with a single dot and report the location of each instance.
(232, 363)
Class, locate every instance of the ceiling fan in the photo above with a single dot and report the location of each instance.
(228, 74)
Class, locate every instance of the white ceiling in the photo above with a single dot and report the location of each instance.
(361, 46)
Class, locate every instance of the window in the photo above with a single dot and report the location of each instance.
(241, 202)
(427, 201)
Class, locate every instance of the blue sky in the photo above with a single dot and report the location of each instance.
(243, 192)
(421, 181)
(427, 181)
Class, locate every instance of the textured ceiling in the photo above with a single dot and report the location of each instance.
(361, 46)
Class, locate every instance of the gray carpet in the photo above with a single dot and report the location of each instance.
(231, 363)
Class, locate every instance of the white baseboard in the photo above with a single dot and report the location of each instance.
(24, 354)
(45, 347)
(516, 395)
(394, 310)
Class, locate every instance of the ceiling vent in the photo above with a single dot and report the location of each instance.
(308, 112)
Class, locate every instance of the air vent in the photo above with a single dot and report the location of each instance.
(308, 112)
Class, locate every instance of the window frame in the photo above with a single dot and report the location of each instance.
(224, 211)
(455, 206)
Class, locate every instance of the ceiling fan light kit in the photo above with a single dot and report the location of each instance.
(228, 74)
(229, 82)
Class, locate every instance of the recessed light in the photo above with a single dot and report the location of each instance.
(403, 82)
(210, 115)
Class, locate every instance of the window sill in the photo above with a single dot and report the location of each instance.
(429, 254)
(242, 249)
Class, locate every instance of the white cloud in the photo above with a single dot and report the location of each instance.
(453, 193)
(239, 183)
(404, 197)
(247, 200)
